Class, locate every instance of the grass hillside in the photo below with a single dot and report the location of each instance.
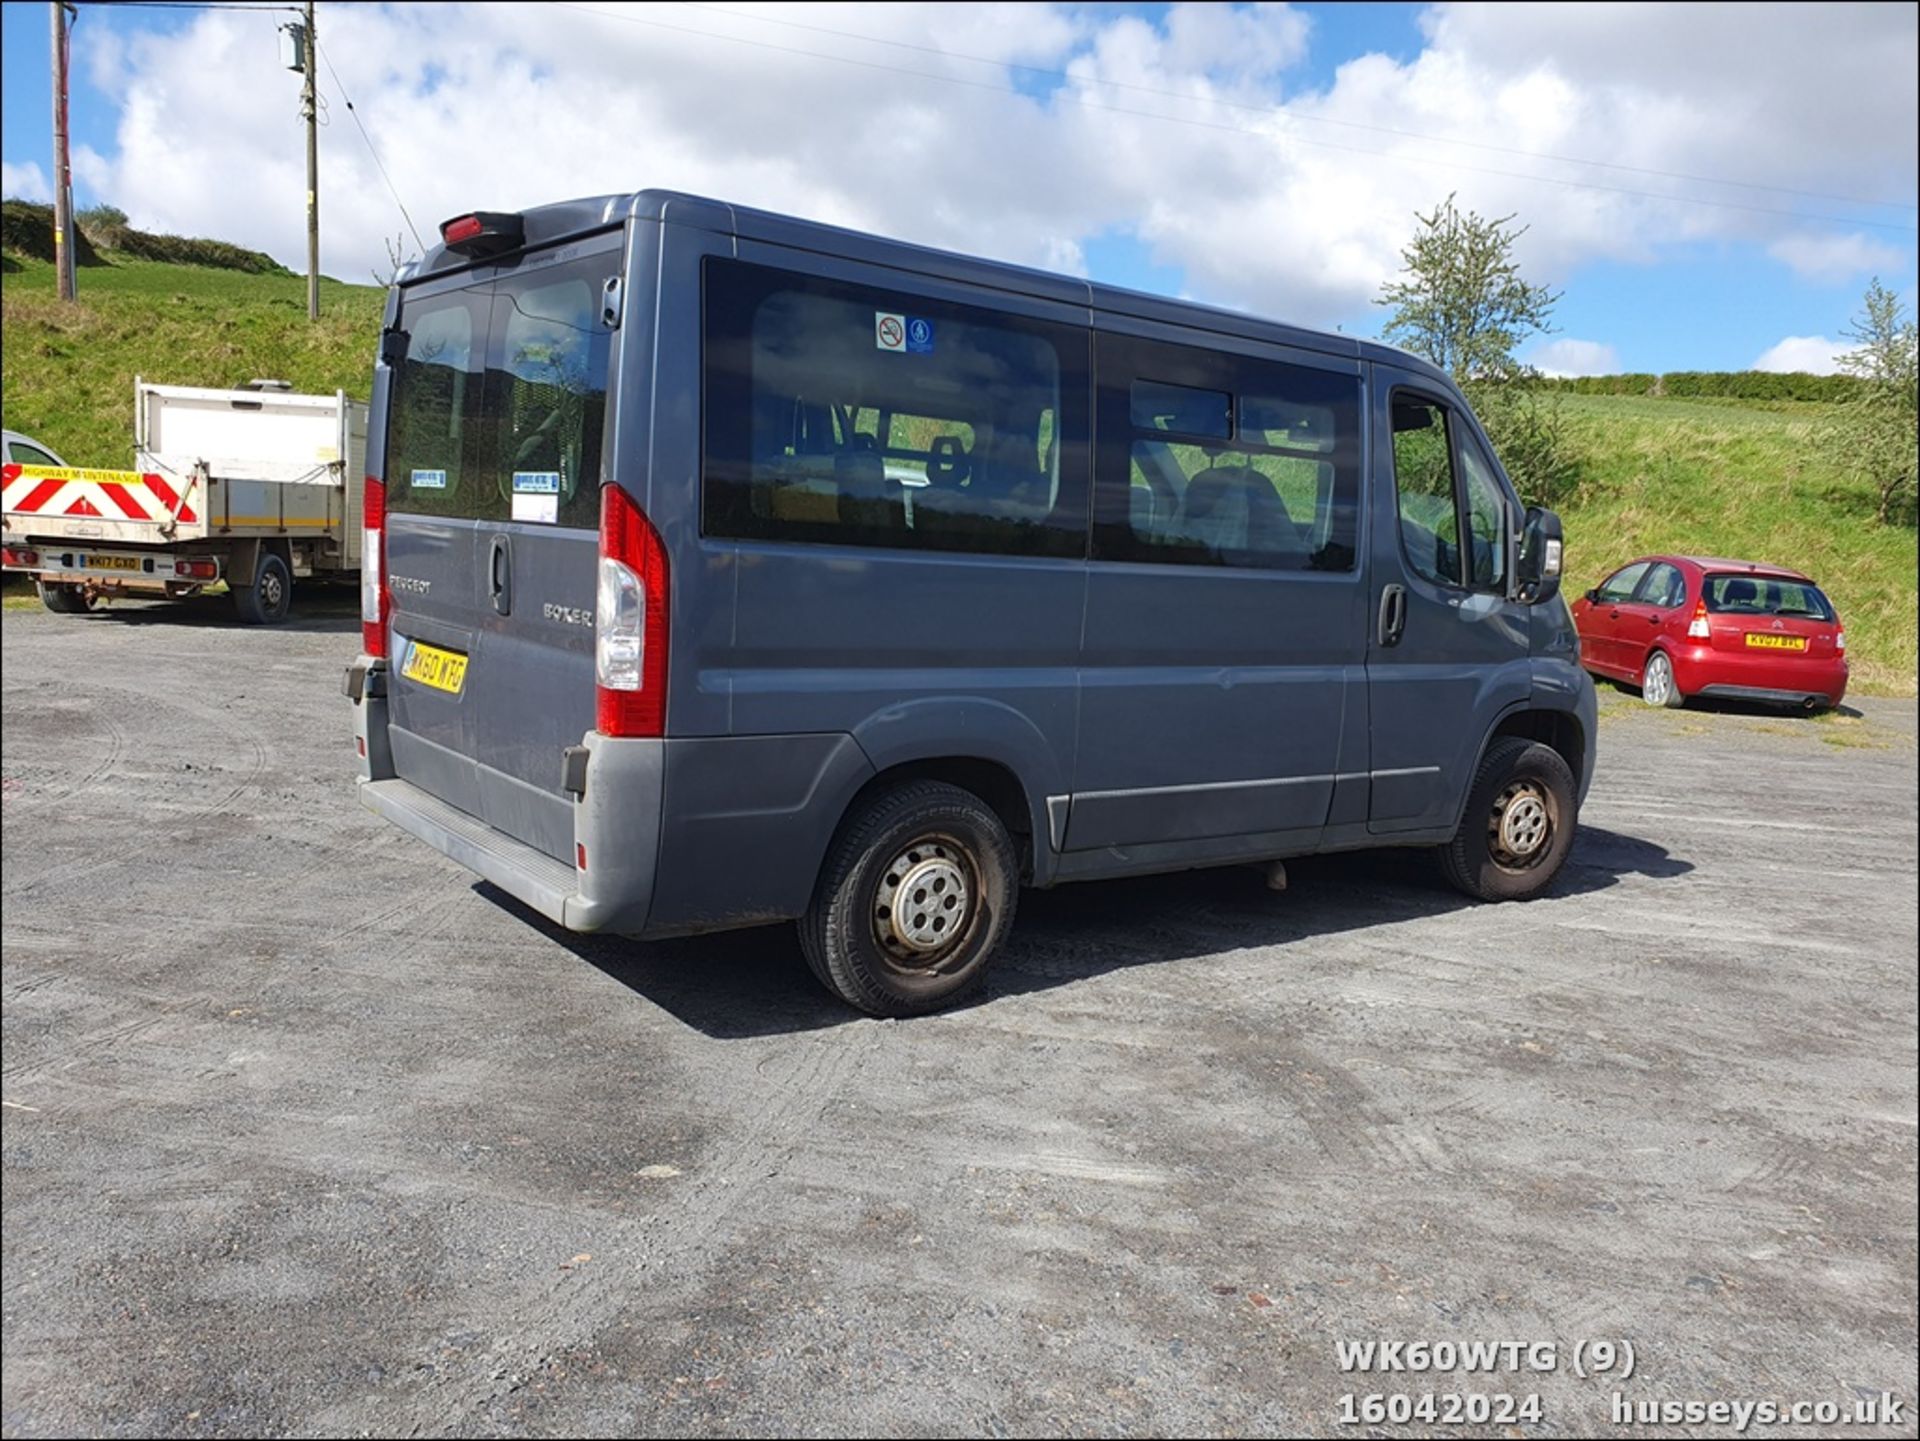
(69, 369)
(1749, 479)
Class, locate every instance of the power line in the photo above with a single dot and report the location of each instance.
(371, 150)
(1292, 114)
(191, 5)
(1802, 215)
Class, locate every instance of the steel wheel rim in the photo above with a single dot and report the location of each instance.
(1520, 830)
(270, 590)
(1658, 681)
(926, 906)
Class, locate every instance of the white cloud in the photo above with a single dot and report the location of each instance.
(1834, 257)
(1813, 354)
(1575, 357)
(1298, 213)
(24, 182)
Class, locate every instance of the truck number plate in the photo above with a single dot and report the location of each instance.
(109, 562)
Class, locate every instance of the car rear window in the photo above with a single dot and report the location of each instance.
(1765, 595)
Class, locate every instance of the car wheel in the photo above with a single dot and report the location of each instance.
(1518, 825)
(269, 600)
(1657, 684)
(913, 902)
(65, 599)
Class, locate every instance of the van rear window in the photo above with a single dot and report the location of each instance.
(1765, 595)
(498, 408)
(845, 415)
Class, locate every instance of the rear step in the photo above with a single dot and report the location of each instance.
(527, 874)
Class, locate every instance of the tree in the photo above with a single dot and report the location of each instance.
(1878, 430)
(1462, 302)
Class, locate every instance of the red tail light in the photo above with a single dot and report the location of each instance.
(1697, 628)
(20, 557)
(373, 570)
(630, 622)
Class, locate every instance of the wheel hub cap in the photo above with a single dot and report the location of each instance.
(924, 899)
(1524, 825)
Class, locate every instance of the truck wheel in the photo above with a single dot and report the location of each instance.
(1518, 825)
(269, 600)
(65, 599)
(916, 895)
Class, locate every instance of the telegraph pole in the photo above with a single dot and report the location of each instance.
(309, 106)
(62, 170)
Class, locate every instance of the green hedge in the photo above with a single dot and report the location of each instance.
(186, 250)
(27, 229)
(1712, 385)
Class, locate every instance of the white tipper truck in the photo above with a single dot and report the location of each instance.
(257, 487)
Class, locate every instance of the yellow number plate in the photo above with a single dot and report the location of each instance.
(429, 665)
(110, 562)
(1776, 642)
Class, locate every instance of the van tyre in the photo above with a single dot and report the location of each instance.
(65, 599)
(269, 600)
(1658, 687)
(913, 902)
(1518, 825)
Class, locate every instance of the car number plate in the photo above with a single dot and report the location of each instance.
(1761, 641)
(441, 669)
(109, 562)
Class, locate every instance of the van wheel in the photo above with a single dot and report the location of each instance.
(1657, 684)
(65, 599)
(269, 600)
(913, 902)
(1518, 825)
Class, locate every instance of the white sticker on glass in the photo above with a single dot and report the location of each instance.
(889, 331)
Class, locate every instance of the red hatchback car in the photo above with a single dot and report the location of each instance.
(1687, 625)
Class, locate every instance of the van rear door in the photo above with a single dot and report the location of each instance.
(497, 413)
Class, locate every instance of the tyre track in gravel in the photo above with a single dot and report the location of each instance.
(124, 849)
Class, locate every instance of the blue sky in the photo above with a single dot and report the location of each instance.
(1399, 104)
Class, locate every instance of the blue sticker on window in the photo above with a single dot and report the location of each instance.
(429, 480)
(919, 336)
(536, 482)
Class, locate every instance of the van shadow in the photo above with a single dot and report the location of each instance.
(740, 984)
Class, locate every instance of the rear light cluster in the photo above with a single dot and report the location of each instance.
(1698, 629)
(197, 569)
(11, 556)
(630, 622)
(1840, 641)
(373, 570)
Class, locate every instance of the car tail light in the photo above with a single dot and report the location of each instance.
(630, 621)
(1840, 641)
(10, 556)
(373, 570)
(1697, 628)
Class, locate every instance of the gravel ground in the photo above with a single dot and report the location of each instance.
(306, 1132)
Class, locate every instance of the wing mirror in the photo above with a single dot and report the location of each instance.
(1542, 552)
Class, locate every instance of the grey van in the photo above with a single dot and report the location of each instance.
(724, 568)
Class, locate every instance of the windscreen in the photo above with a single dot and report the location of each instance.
(1766, 595)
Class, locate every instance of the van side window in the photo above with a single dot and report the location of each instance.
(843, 415)
(1255, 464)
(1423, 473)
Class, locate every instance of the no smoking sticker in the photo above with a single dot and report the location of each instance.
(889, 331)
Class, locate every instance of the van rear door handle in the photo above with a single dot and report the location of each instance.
(1393, 615)
(500, 575)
